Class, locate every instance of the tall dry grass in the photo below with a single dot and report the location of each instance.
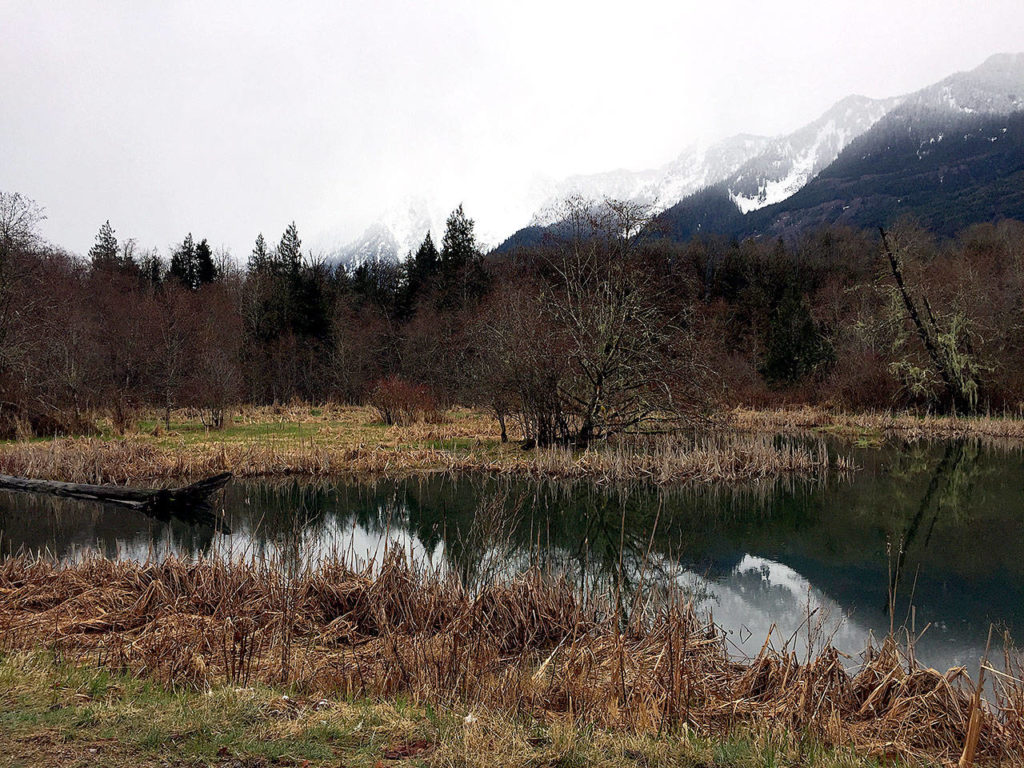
(666, 459)
(906, 426)
(529, 645)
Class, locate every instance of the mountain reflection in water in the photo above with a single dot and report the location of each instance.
(939, 525)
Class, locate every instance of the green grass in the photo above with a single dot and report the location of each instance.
(53, 713)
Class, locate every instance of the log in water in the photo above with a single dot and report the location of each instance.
(190, 503)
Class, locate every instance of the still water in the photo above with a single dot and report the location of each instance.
(940, 526)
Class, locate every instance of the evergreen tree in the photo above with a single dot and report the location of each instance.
(794, 345)
(104, 252)
(458, 248)
(311, 300)
(420, 272)
(425, 262)
(361, 282)
(462, 274)
(183, 263)
(260, 260)
(205, 269)
(289, 252)
(151, 269)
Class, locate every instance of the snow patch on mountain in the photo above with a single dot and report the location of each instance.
(995, 87)
(698, 166)
(789, 162)
(398, 231)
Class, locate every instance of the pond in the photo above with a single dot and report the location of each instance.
(928, 535)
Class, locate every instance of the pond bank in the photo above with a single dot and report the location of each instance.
(877, 426)
(523, 648)
(64, 714)
(326, 442)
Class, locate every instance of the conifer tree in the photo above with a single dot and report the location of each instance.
(420, 272)
(205, 269)
(289, 252)
(151, 269)
(462, 274)
(425, 262)
(183, 263)
(458, 248)
(104, 252)
(260, 258)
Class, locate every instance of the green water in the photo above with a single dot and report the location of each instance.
(939, 526)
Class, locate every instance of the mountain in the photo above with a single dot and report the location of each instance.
(949, 155)
(399, 230)
(787, 163)
(995, 87)
(757, 171)
(714, 188)
(946, 170)
(753, 171)
(695, 168)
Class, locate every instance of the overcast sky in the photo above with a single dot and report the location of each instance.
(227, 119)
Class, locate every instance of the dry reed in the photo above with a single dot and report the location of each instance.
(905, 426)
(667, 459)
(529, 645)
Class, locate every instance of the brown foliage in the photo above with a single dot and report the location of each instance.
(530, 645)
(400, 402)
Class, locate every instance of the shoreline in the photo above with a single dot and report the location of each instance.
(66, 714)
(529, 649)
(875, 427)
(333, 441)
(736, 447)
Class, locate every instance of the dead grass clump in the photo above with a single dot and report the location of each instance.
(530, 645)
(905, 426)
(681, 459)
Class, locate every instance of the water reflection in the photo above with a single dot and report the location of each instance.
(937, 526)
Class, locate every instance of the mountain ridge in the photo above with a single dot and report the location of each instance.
(755, 172)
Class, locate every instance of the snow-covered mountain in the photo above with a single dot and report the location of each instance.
(759, 171)
(787, 163)
(756, 171)
(996, 87)
(695, 168)
(399, 230)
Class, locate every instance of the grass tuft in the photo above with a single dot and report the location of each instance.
(452, 664)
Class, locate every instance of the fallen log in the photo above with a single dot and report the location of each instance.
(190, 503)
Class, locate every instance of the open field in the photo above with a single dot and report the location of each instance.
(329, 441)
(540, 672)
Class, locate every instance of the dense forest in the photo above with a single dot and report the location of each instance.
(599, 327)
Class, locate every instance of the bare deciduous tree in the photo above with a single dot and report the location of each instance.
(596, 354)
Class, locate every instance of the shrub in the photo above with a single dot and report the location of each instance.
(400, 402)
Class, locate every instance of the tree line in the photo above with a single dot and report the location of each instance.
(602, 328)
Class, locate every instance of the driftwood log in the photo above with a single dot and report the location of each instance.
(190, 503)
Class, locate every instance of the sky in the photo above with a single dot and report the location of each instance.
(230, 119)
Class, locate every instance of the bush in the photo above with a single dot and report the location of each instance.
(19, 425)
(400, 402)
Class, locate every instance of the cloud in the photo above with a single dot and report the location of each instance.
(233, 118)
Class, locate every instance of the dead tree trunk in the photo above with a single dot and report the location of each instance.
(928, 332)
(190, 503)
